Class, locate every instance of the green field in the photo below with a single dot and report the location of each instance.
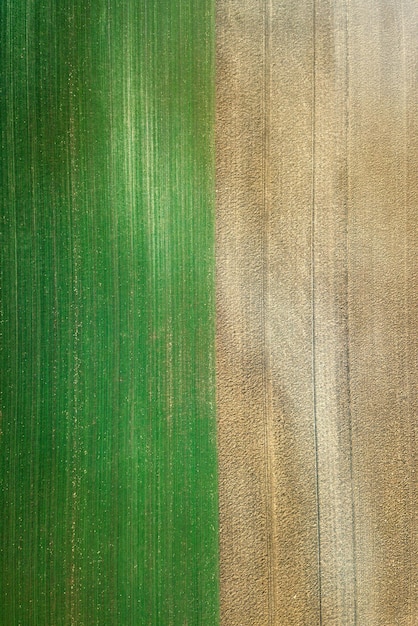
(108, 492)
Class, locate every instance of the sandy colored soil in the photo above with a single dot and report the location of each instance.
(317, 346)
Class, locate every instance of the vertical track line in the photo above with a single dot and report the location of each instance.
(313, 312)
(266, 369)
(347, 321)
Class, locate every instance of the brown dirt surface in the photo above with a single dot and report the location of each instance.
(317, 308)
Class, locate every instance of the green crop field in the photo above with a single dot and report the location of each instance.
(108, 492)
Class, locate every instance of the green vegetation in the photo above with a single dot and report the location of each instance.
(108, 492)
